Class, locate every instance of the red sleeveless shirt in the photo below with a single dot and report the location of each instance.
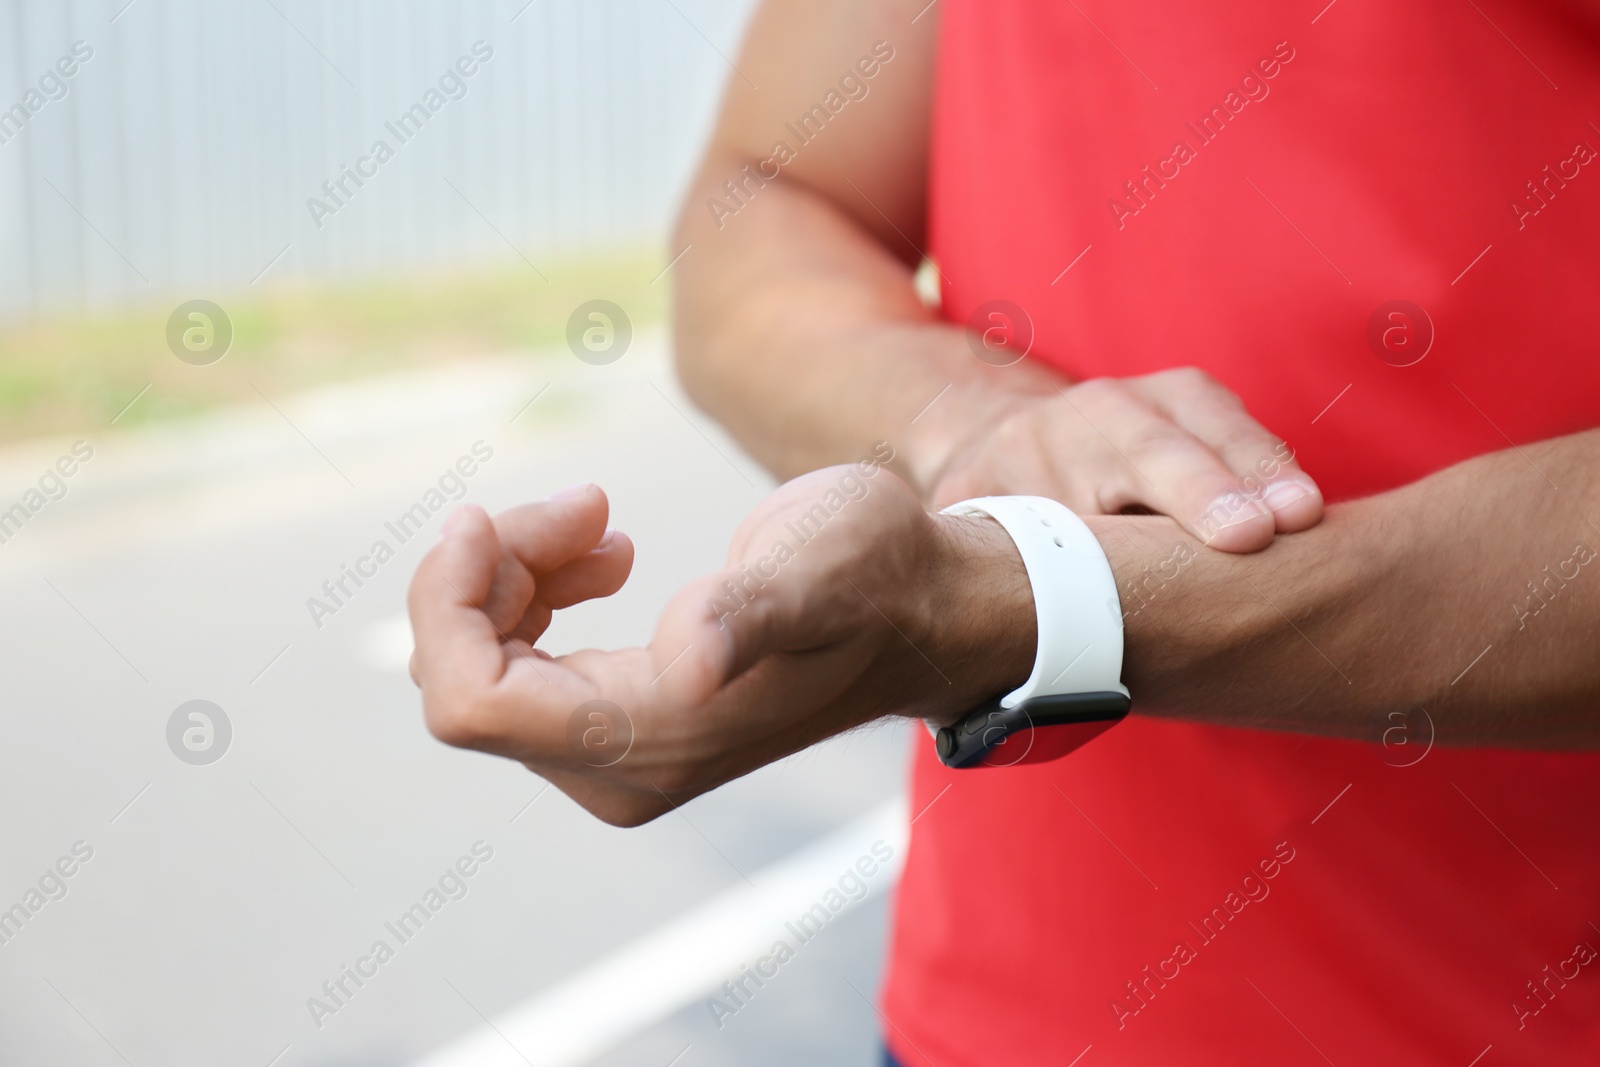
(1250, 187)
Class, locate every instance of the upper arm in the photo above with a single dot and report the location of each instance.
(870, 156)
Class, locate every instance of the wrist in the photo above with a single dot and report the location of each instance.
(1159, 569)
(976, 618)
(1198, 623)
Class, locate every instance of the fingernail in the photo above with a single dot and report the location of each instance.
(1232, 509)
(1280, 495)
(572, 491)
(608, 537)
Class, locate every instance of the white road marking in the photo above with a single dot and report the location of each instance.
(662, 972)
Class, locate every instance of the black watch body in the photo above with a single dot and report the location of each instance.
(1037, 730)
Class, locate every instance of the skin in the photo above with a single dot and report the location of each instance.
(1327, 621)
(893, 610)
(818, 650)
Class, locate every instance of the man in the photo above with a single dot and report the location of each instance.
(1353, 817)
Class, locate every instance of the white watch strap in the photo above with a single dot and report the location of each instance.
(1074, 596)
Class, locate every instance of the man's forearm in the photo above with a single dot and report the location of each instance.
(802, 334)
(1473, 594)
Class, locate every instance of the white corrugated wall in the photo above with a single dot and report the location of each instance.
(179, 158)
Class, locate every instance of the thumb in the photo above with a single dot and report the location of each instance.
(713, 630)
(458, 649)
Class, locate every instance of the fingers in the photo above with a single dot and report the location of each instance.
(538, 541)
(547, 555)
(544, 535)
(458, 656)
(598, 573)
(1263, 462)
(510, 593)
(1168, 469)
(478, 690)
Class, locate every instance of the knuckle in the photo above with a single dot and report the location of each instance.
(1157, 436)
(1097, 391)
(1015, 433)
(1246, 437)
(1191, 378)
(1196, 382)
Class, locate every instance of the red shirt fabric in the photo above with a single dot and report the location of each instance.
(1175, 893)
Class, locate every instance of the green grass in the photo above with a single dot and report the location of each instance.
(72, 372)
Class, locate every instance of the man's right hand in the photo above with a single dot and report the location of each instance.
(1177, 443)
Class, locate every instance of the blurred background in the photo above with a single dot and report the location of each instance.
(268, 271)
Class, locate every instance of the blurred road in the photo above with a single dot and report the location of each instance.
(218, 899)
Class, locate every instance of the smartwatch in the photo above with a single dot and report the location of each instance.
(1075, 691)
